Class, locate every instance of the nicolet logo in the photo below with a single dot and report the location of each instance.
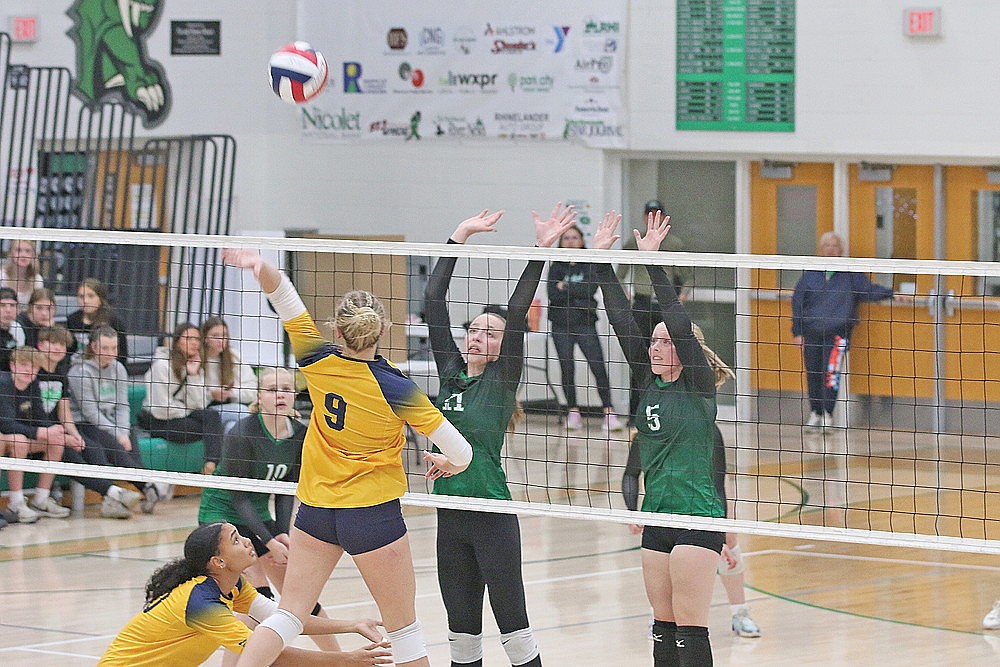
(337, 121)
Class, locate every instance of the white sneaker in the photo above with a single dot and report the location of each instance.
(992, 620)
(574, 420)
(130, 498)
(165, 491)
(50, 508)
(743, 625)
(25, 514)
(814, 420)
(612, 423)
(112, 508)
(151, 496)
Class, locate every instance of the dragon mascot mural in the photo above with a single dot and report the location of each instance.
(111, 58)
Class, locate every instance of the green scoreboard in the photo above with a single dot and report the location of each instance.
(736, 65)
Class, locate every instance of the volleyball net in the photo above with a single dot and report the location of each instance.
(909, 455)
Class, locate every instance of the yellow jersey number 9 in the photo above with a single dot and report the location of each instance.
(336, 408)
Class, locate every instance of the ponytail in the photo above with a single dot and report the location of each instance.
(200, 546)
(721, 369)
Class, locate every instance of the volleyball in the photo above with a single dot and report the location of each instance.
(298, 72)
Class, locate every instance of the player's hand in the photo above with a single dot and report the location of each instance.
(728, 559)
(277, 551)
(634, 529)
(484, 222)
(605, 235)
(125, 442)
(283, 538)
(547, 232)
(657, 228)
(369, 628)
(243, 258)
(440, 466)
(373, 654)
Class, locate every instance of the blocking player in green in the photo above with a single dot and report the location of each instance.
(675, 419)
(267, 445)
(476, 550)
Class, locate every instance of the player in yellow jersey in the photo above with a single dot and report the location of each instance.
(352, 474)
(190, 605)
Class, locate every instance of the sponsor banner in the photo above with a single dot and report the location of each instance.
(401, 71)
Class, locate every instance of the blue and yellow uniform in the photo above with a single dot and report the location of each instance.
(351, 455)
(184, 627)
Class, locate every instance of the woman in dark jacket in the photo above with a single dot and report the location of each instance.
(824, 313)
(573, 316)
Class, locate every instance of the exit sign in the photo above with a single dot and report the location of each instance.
(922, 22)
(23, 29)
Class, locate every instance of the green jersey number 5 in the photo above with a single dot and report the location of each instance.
(652, 418)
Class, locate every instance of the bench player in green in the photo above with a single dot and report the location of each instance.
(267, 445)
(675, 419)
(476, 550)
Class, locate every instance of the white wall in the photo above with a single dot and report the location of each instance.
(863, 90)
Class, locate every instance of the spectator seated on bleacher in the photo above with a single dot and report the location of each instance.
(20, 271)
(177, 398)
(11, 332)
(231, 383)
(27, 428)
(54, 386)
(99, 404)
(41, 312)
(95, 311)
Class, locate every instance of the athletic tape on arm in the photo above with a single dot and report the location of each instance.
(452, 443)
(286, 300)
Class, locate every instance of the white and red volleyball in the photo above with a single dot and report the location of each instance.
(298, 72)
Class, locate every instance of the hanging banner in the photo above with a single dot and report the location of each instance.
(405, 71)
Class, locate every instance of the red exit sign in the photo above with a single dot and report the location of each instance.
(922, 22)
(24, 29)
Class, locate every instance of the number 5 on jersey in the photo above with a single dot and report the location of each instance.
(336, 408)
(652, 418)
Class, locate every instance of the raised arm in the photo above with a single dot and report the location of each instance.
(672, 311)
(302, 332)
(631, 339)
(547, 232)
(446, 352)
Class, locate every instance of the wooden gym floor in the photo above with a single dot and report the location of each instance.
(67, 586)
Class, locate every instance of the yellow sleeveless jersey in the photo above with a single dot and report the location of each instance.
(183, 627)
(351, 455)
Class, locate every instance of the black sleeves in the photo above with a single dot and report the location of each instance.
(446, 352)
(630, 480)
(633, 343)
(696, 368)
(511, 361)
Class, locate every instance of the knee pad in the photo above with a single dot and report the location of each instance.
(724, 568)
(285, 624)
(520, 646)
(408, 643)
(465, 648)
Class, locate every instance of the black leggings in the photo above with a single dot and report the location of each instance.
(103, 449)
(205, 425)
(476, 550)
(586, 337)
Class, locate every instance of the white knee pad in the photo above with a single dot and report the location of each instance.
(285, 624)
(520, 646)
(408, 643)
(465, 648)
(724, 568)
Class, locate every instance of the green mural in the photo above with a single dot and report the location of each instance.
(111, 57)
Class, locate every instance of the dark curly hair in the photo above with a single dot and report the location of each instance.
(199, 547)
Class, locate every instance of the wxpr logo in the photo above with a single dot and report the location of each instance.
(561, 31)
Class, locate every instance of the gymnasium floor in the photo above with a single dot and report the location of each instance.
(69, 585)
